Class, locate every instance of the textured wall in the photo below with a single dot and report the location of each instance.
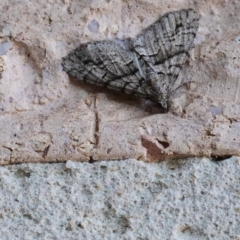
(182, 200)
(47, 116)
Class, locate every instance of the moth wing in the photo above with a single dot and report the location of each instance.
(107, 64)
(165, 46)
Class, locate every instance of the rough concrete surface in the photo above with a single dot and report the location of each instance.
(46, 116)
(182, 200)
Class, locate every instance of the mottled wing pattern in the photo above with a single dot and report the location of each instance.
(165, 46)
(106, 64)
(149, 68)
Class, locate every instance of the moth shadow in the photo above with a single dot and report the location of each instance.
(120, 97)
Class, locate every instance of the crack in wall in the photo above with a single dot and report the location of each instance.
(96, 133)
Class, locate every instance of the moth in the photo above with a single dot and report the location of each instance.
(147, 66)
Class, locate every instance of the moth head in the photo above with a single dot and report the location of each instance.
(164, 101)
(161, 91)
